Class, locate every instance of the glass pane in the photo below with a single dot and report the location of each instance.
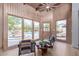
(61, 29)
(27, 29)
(46, 26)
(14, 30)
(36, 30)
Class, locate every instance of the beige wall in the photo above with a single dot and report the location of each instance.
(20, 10)
(46, 17)
(28, 12)
(0, 25)
(63, 12)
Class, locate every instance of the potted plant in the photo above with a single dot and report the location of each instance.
(42, 43)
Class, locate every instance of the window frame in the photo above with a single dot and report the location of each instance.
(23, 27)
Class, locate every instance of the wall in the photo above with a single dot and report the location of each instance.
(75, 25)
(60, 13)
(0, 25)
(26, 11)
(17, 9)
(46, 17)
(63, 12)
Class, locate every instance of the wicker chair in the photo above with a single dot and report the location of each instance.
(51, 42)
(26, 47)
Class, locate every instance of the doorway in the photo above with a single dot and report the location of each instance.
(36, 30)
(46, 30)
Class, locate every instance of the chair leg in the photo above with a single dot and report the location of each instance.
(19, 53)
(35, 53)
(53, 45)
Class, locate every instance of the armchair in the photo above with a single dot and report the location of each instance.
(26, 47)
(51, 42)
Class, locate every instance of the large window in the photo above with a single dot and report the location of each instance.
(21, 29)
(14, 30)
(36, 30)
(61, 29)
(27, 29)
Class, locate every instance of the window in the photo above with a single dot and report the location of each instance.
(46, 27)
(14, 30)
(21, 29)
(61, 29)
(36, 30)
(27, 29)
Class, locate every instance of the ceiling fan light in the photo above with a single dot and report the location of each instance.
(47, 7)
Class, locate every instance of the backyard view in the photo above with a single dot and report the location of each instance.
(61, 29)
(16, 27)
(14, 30)
(27, 29)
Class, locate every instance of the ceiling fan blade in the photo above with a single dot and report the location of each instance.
(24, 3)
(43, 9)
(56, 4)
(44, 3)
(40, 4)
(37, 8)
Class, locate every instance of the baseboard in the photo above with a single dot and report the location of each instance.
(12, 47)
(61, 41)
(75, 46)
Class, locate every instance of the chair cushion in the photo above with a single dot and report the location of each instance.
(25, 51)
(29, 54)
(26, 41)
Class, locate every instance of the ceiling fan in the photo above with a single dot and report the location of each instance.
(46, 6)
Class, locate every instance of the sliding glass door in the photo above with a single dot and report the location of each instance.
(14, 30)
(27, 29)
(21, 29)
(36, 30)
